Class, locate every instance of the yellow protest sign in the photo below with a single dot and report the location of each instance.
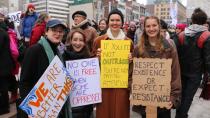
(151, 82)
(114, 63)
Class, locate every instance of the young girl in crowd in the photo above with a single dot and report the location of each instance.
(102, 27)
(131, 30)
(153, 45)
(115, 101)
(77, 49)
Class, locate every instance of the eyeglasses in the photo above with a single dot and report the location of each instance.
(56, 30)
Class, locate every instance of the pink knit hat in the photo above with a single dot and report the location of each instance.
(181, 26)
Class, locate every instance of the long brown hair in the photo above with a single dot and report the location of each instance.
(145, 39)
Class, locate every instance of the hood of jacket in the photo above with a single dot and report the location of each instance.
(192, 30)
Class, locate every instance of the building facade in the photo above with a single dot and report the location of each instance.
(163, 9)
(135, 11)
(4, 7)
(150, 9)
(56, 8)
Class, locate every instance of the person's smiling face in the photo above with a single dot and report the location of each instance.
(115, 22)
(77, 42)
(152, 28)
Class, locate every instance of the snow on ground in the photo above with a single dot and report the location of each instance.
(200, 108)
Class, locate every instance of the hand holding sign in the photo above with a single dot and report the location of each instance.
(98, 52)
(114, 63)
(86, 74)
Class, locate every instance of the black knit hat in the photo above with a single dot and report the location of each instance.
(116, 11)
(80, 13)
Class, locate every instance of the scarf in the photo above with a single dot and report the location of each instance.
(80, 24)
(121, 35)
(70, 54)
(66, 110)
(47, 48)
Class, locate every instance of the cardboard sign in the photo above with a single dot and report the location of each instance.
(49, 94)
(151, 82)
(86, 74)
(151, 112)
(114, 63)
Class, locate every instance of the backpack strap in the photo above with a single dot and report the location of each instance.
(181, 38)
(203, 37)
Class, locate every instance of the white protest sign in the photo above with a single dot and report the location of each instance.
(49, 94)
(86, 74)
(15, 17)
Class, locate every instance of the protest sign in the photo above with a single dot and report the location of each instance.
(86, 76)
(49, 94)
(114, 63)
(15, 17)
(151, 82)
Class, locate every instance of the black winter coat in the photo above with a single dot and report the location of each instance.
(194, 60)
(70, 54)
(6, 62)
(35, 63)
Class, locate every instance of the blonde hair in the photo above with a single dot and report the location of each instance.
(145, 39)
(42, 17)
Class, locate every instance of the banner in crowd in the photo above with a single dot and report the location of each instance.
(15, 17)
(86, 74)
(49, 94)
(151, 82)
(114, 63)
(173, 12)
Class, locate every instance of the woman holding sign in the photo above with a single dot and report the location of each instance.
(153, 45)
(115, 100)
(36, 61)
(77, 49)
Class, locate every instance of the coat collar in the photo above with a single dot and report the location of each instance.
(121, 35)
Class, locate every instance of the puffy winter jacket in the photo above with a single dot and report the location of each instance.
(27, 25)
(37, 32)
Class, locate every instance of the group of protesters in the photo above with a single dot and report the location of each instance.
(151, 37)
